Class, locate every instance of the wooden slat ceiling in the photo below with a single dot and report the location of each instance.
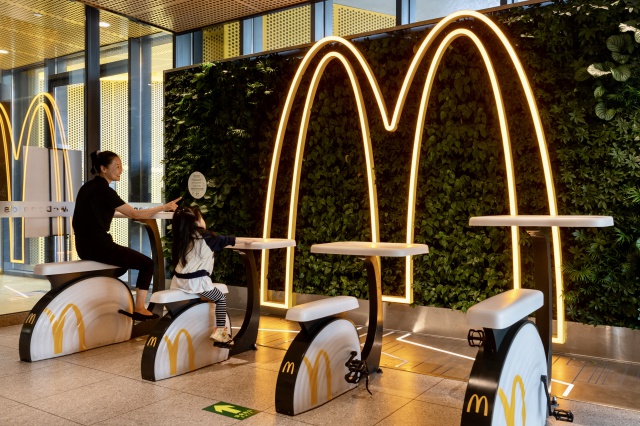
(183, 15)
(35, 30)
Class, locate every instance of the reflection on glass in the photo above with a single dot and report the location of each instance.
(428, 9)
(161, 59)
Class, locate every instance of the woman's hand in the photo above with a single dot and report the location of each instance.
(132, 213)
(171, 205)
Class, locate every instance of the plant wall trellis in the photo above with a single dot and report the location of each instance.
(221, 119)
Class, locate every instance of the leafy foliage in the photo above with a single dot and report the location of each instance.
(222, 118)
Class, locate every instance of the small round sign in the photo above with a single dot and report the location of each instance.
(197, 185)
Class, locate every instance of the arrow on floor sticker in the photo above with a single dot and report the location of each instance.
(231, 410)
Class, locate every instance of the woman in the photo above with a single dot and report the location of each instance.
(96, 204)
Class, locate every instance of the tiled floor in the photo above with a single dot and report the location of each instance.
(20, 293)
(420, 385)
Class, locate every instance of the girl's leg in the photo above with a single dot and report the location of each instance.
(221, 335)
(217, 297)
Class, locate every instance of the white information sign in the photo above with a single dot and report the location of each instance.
(197, 185)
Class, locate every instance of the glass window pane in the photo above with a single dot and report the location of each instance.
(161, 60)
(429, 9)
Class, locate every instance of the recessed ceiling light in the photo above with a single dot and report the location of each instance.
(104, 24)
(37, 15)
(4, 52)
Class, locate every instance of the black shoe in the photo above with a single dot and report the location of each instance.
(137, 316)
(225, 345)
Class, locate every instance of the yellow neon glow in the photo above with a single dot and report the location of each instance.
(391, 125)
(57, 327)
(7, 139)
(415, 160)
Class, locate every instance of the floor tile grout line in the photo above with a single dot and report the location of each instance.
(46, 412)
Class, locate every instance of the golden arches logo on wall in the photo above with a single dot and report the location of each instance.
(312, 371)
(57, 327)
(172, 348)
(391, 124)
(54, 121)
(510, 409)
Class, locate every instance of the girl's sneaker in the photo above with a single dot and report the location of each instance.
(221, 337)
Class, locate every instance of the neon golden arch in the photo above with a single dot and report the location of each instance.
(415, 159)
(391, 125)
(9, 145)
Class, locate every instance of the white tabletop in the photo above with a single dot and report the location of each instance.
(262, 243)
(543, 220)
(363, 248)
(160, 215)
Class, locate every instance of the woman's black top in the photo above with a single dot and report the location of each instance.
(95, 206)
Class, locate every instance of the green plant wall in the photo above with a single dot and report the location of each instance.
(221, 119)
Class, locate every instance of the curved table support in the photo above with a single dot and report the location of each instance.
(245, 339)
(544, 282)
(248, 249)
(370, 253)
(372, 349)
(159, 283)
(151, 226)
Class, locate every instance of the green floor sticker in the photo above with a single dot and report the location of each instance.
(231, 410)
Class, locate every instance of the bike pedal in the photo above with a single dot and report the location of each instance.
(475, 337)
(357, 369)
(563, 415)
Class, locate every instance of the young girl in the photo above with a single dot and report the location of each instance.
(192, 259)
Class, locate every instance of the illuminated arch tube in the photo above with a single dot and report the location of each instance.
(391, 125)
(78, 315)
(179, 343)
(9, 145)
(313, 369)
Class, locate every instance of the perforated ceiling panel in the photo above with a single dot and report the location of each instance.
(289, 27)
(221, 42)
(184, 15)
(350, 20)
